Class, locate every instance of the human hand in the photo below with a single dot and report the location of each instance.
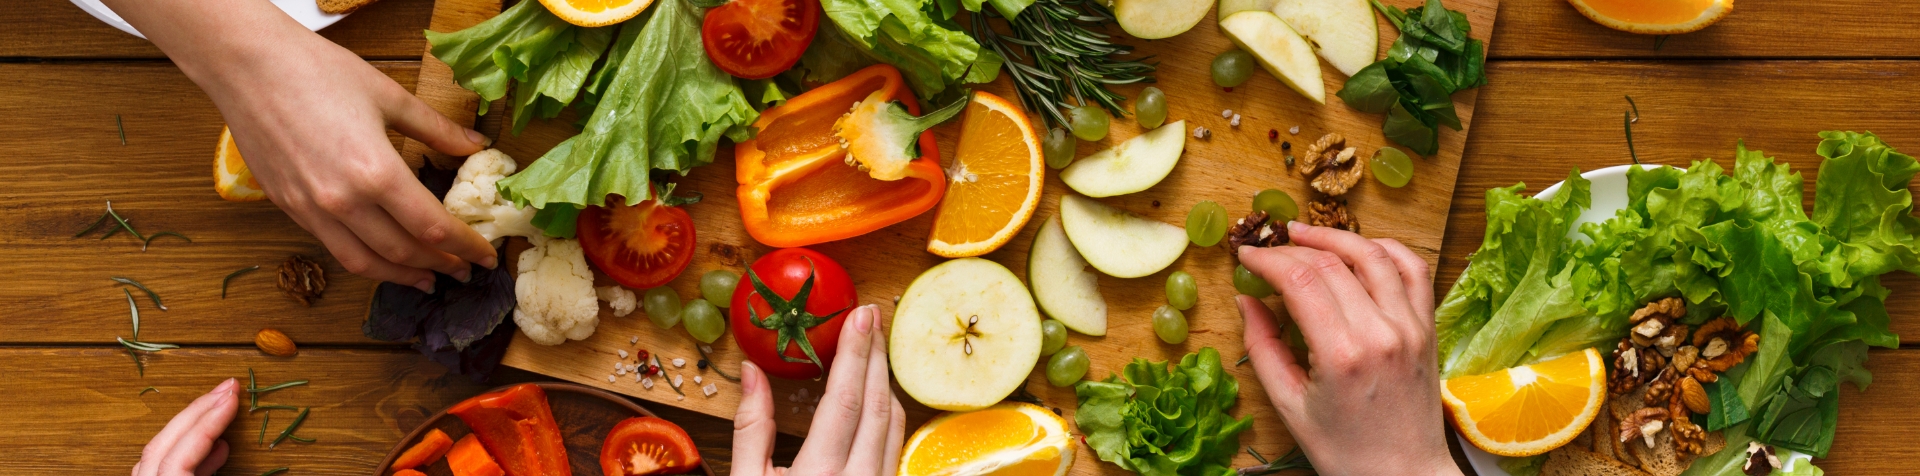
(860, 425)
(190, 443)
(1371, 403)
(311, 118)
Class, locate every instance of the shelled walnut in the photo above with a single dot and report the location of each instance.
(1643, 424)
(1724, 343)
(1255, 230)
(1329, 212)
(1688, 438)
(302, 279)
(1632, 366)
(1331, 165)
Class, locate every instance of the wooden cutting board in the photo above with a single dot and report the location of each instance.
(1227, 168)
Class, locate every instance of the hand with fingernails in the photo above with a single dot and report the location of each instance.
(311, 120)
(190, 444)
(1370, 402)
(859, 427)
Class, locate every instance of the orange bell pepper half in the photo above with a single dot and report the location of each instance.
(517, 427)
(797, 187)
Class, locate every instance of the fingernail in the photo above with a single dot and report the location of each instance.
(226, 386)
(1295, 227)
(478, 138)
(751, 380)
(863, 321)
(464, 275)
(490, 262)
(425, 285)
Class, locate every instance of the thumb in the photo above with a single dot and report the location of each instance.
(753, 426)
(414, 118)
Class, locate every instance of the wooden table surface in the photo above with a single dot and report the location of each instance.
(1774, 74)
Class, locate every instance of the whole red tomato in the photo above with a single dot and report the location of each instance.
(789, 324)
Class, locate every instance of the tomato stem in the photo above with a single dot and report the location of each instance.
(790, 319)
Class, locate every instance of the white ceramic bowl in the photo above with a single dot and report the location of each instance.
(305, 11)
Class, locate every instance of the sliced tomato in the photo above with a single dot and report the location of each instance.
(640, 246)
(644, 446)
(756, 39)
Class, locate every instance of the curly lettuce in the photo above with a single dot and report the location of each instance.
(921, 39)
(1160, 422)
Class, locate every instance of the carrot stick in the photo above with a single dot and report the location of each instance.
(468, 458)
(429, 449)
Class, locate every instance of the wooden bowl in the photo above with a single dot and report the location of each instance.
(585, 416)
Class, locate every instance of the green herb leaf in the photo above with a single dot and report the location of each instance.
(1728, 409)
(150, 295)
(1154, 420)
(930, 51)
(229, 279)
(1369, 90)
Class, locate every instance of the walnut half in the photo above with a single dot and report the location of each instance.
(1255, 230)
(1329, 212)
(302, 279)
(1331, 165)
(1644, 424)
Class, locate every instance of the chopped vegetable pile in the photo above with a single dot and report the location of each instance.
(1732, 244)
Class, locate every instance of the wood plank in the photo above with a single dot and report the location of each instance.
(69, 162)
(388, 29)
(436, 85)
(1838, 28)
(63, 398)
(1535, 135)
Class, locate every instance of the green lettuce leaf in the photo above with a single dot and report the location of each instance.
(665, 108)
(1861, 199)
(1162, 421)
(918, 38)
(552, 85)
(1516, 285)
(504, 47)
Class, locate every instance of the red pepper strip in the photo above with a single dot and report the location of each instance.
(796, 188)
(518, 429)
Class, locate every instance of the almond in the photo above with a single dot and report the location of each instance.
(274, 343)
(1694, 396)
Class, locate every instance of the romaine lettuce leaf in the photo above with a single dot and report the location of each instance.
(485, 56)
(665, 108)
(1516, 285)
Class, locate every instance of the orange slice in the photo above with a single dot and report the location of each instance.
(1007, 439)
(595, 12)
(230, 175)
(1654, 17)
(994, 182)
(1530, 409)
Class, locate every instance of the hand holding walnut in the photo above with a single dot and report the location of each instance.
(1371, 402)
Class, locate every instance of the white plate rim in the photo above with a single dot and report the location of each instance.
(307, 12)
(1609, 192)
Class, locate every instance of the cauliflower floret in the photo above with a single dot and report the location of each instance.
(555, 289)
(475, 198)
(619, 298)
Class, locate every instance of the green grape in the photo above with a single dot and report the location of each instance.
(1232, 68)
(1278, 205)
(704, 321)
(1206, 223)
(1151, 109)
(662, 306)
(1067, 366)
(1059, 148)
(1170, 325)
(1181, 291)
(1089, 122)
(1246, 283)
(1392, 167)
(1053, 336)
(717, 287)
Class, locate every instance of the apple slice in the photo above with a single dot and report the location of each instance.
(1341, 31)
(1133, 165)
(1062, 284)
(1118, 242)
(965, 335)
(1229, 7)
(1278, 48)
(1156, 19)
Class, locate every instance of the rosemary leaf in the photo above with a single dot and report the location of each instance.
(253, 399)
(137, 364)
(1626, 120)
(122, 127)
(230, 276)
(271, 408)
(1294, 459)
(123, 224)
(150, 294)
(1243, 360)
(274, 471)
(148, 241)
(287, 433)
(143, 392)
(263, 427)
(134, 309)
(95, 225)
(295, 383)
(145, 346)
(712, 365)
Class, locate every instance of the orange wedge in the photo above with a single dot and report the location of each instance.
(1007, 439)
(230, 175)
(994, 182)
(595, 12)
(1530, 409)
(1654, 17)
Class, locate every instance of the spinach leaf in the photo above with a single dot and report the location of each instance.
(1405, 129)
(1433, 58)
(1728, 410)
(1368, 90)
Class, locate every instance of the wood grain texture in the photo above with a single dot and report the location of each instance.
(363, 402)
(388, 29)
(1773, 29)
(61, 134)
(1227, 168)
(1688, 111)
(435, 85)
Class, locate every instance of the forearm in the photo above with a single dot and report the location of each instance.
(212, 40)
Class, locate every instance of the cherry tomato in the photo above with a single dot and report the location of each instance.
(756, 39)
(783, 272)
(644, 446)
(640, 246)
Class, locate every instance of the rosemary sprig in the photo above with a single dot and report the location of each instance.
(1243, 360)
(145, 240)
(96, 225)
(145, 346)
(149, 239)
(134, 310)
(291, 427)
(1065, 57)
(143, 392)
(150, 295)
(263, 428)
(274, 471)
(122, 127)
(258, 391)
(1627, 119)
(1294, 459)
(230, 276)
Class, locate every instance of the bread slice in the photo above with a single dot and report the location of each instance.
(342, 7)
(1571, 461)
